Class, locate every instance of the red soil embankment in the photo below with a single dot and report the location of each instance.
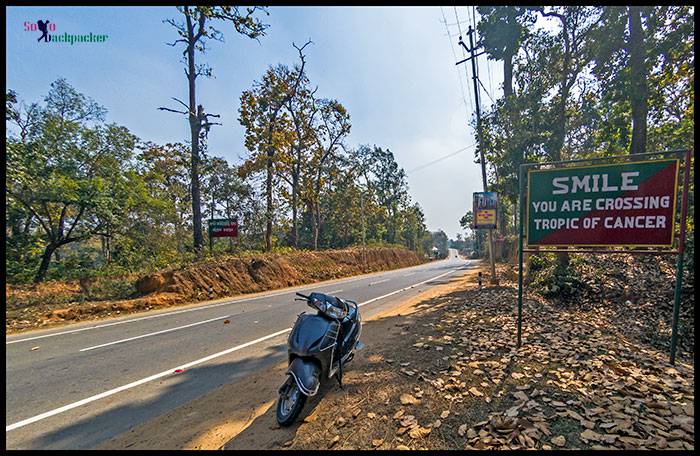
(217, 278)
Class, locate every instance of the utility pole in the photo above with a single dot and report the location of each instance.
(479, 134)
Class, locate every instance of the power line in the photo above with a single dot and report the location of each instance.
(488, 62)
(430, 163)
(457, 19)
(459, 28)
(454, 54)
(487, 92)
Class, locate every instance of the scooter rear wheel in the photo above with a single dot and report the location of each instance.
(289, 403)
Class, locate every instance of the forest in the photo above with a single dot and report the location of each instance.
(85, 197)
(582, 82)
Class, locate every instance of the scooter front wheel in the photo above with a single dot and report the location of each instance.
(289, 403)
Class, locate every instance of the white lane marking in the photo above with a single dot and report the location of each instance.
(96, 397)
(87, 400)
(381, 281)
(334, 291)
(406, 288)
(165, 314)
(154, 333)
(148, 317)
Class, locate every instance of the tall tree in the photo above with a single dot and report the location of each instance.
(333, 129)
(576, 23)
(260, 114)
(502, 29)
(638, 79)
(194, 33)
(303, 111)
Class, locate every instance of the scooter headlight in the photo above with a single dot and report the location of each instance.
(334, 312)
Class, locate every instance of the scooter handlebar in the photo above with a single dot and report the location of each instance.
(306, 298)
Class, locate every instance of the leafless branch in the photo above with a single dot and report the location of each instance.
(301, 49)
(174, 43)
(172, 110)
(181, 102)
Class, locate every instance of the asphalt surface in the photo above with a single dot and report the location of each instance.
(88, 382)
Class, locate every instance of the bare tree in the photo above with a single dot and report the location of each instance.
(194, 33)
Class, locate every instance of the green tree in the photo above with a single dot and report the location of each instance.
(332, 131)
(269, 132)
(440, 241)
(478, 237)
(67, 171)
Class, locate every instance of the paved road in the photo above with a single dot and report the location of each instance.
(89, 382)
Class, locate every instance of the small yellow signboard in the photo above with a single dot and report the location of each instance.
(486, 217)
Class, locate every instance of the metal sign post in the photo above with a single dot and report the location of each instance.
(623, 204)
(679, 263)
(521, 200)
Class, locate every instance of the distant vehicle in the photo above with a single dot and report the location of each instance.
(319, 346)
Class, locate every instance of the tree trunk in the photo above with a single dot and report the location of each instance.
(195, 127)
(560, 123)
(103, 243)
(268, 191)
(45, 261)
(559, 135)
(638, 82)
(507, 75)
(317, 225)
(228, 216)
(295, 197)
(316, 212)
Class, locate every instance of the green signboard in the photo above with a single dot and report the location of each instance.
(629, 204)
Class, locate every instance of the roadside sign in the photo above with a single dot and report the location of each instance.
(629, 204)
(223, 228)
(623, 207)
(485, 207)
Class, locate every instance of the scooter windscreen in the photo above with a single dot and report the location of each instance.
(328, 305)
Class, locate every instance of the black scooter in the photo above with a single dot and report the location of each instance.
(319, 346)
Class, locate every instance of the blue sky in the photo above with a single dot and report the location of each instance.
(392, 67)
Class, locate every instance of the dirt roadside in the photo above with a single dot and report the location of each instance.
(241, 415)
(52, 304)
